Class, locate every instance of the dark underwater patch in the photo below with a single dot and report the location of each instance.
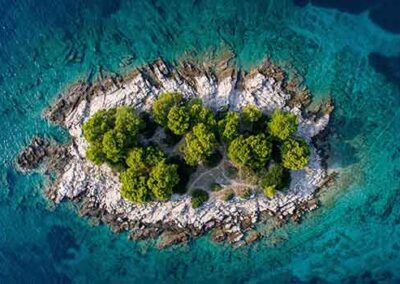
(388, 66)
(384, 13)
(61, 241)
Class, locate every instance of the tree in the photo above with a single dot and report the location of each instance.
(127, 125)
(251, 114)
(114, 146)
(229, 126)
(178, 120)
(276, 177)
(200, 144)
(162, 180)
(97, 125)
(282, 124)
(95, 154)
(134, 186)
(201, 114)
(198, 198)
(252, 152)
(163, 105)
(295, 154)
(143, 159)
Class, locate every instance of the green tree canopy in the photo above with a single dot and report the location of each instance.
(200, 144)
(229, 126)
(127, 124)
(162, 180)
(163, 105)
(143, 159)
(282, 124)
(178, 120)
(251, 113)
(201, 114)
(98, 124)
(110, 134)
(276, 177)
(295, 154)
(134, 186)
(252, 152)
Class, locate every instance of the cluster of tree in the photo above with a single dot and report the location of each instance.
(250, 138)
(111, 133)
(145, 174)
(191, 119)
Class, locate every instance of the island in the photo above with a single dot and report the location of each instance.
(174, 151)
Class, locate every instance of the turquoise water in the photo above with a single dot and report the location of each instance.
(355, 236)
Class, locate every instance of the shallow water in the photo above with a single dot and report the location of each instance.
(339, 49)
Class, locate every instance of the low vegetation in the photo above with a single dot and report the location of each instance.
(249, 142)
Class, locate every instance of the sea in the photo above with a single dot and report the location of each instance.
(346, 50)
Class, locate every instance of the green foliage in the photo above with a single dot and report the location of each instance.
(142, 159)
(282, 124)
(162, 180)
(97, 125)
(198, 197)
(127, 125)
(163, 105)
(229, 126)
(200, 144)
(114, 146)
(269, 191)
(216, 187)
(295, 154)
(276, 177)
(252, 152)
(251, 114)
(110, 134)
(178, 120)
(200, 114)
(231, 172)
(95, 154)
(134, 186)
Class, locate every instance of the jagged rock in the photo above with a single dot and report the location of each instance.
(169, 238)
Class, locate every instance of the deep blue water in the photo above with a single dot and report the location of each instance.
(347, 49)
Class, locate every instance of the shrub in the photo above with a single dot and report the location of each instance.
(269, 191)
(252, 152)
(198, 198)
(231, 171)
(163, 105)
(276, 177)
(216, 187)
(214, 159)
(282, 124)
(295, 154)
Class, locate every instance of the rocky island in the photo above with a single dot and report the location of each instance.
(176, 151)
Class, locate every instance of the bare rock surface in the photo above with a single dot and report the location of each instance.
(96, 189)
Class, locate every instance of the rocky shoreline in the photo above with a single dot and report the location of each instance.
(95, 190)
